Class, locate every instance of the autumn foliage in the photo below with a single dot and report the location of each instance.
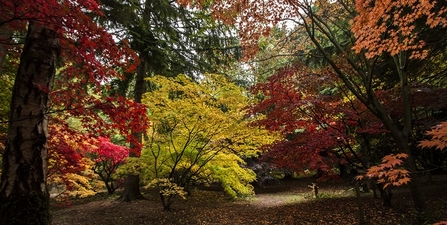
(198, 135)
(107, 158)
(70, 145)
(90, 58)
(438, 137)
(389, 173)
(313, 120)
(78, 161)
(396, 25)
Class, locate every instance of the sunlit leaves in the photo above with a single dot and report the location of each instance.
(234, 178)
(75, 153)
(106, 150)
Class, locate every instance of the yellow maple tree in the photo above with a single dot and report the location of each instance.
(199, 134)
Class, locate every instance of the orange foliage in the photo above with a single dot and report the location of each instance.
(386, 26)
(253, 18)
(380, 26)
(388, 172)
(438, 137)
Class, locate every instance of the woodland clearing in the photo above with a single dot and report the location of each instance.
(286, 202)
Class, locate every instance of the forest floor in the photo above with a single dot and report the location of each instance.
(287, 202)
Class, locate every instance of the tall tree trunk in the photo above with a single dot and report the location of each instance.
(401, 60)
(24, 198)
(131, 190)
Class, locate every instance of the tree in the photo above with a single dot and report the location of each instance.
(88, 55)
(198, 135)
(402, 41)
(67, 165)
(169, 40)
(108, 157)
(23, 187)
(315, 120)
(437, 140)
(75, 135)
(327, 24)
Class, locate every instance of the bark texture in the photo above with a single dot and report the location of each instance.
(24, 198)
(131, 190)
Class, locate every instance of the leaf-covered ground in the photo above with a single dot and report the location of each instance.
(288, 202)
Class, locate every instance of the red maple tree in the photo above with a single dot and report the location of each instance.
(89, 57)
(108, 157)
(310, 115)
(88, 60)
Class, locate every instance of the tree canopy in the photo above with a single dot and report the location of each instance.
(392, 35)
(199, 134)
(64, 45)
(325, 87)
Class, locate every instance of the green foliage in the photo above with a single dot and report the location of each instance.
(6, 82)
(170, 39)
(7, 74)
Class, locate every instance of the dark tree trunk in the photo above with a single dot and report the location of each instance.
(374, 187)
(110, 185)
(24, 198)
(359, 204)
(386, 195)
(415, 189)
(166, 201)
(131, 190)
